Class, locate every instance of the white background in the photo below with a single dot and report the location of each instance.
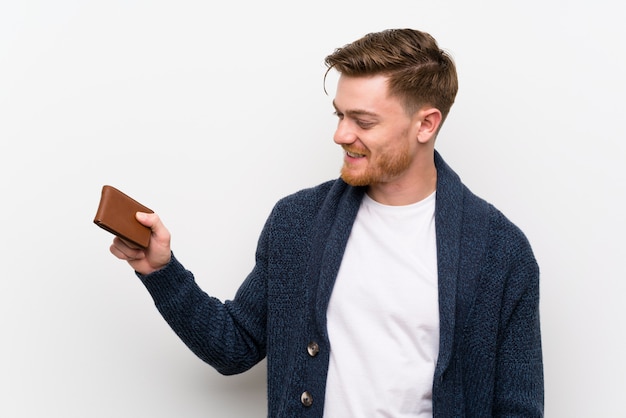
(208, 113)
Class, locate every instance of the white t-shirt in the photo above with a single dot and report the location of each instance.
(383, 315)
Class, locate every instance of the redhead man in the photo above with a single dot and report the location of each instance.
(392, 291)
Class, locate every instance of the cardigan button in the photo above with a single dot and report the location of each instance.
(313, 348)
(306, 399)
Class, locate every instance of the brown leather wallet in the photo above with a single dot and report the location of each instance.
(116, 214)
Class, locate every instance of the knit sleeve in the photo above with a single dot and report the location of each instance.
(230, 335)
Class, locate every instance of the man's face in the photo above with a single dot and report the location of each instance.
(377, 135)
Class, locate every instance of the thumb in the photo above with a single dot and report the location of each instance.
(152, 221)
(147, 219)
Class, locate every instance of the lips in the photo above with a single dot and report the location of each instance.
(353, 153)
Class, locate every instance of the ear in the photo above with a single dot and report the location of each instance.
(430, 120)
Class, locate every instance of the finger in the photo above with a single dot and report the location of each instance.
(153, 221)
(148, 219)
(124, 245)
(122, 250)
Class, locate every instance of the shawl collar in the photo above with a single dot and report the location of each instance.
(448, 223)
(332, 229)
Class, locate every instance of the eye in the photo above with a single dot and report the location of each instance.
(338, 114)
(364, 124)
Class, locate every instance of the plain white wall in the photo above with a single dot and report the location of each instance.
(210, 113)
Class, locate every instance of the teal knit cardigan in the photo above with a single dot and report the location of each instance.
(490, 359)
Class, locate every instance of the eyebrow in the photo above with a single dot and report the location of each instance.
(356, 112)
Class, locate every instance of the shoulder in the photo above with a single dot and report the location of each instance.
(310, 195)
(504, 235)
(480, 223)
(329, 193)
(507, 253)
(508, 241)
(316, 207)
(307, 203)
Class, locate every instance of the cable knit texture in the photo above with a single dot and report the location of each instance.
(490, 360)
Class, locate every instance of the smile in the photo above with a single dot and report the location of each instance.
(354, 155)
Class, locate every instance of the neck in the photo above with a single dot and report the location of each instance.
(410, 188)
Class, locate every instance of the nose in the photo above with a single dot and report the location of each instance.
(344, 134)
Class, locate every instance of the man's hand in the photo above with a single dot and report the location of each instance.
(150, 259)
